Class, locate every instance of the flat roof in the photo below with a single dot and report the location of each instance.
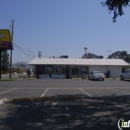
(77, 61)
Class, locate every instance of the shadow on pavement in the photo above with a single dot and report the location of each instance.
(96, 113)
(125, 80)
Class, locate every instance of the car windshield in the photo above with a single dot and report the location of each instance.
(97, 72)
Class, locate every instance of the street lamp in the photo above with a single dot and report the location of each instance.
(85, 48)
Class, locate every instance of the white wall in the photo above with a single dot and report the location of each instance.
(115, 71)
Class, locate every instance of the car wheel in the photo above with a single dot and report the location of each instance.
(102, 79)
(88, 78)
(122, 78)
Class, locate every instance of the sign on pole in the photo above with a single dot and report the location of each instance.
(5, 40)
(5, 43)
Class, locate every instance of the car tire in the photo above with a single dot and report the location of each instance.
(121, 77)
(102, 79)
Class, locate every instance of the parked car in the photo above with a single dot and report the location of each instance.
(14, 73)
(24, 73)
(96, 75)
(125, 75)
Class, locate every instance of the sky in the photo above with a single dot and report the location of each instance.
(63, 27)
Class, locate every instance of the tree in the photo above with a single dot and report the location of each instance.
(5, 61)
(89, 55)
(120, 55)
(116, 6)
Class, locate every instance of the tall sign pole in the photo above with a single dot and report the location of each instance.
(12, 33)
(0, 63)
(5, 43)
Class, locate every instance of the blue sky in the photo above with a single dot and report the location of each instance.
(64, 27)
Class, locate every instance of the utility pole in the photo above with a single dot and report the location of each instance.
(0, 62)
(12, 33)
(39, 54)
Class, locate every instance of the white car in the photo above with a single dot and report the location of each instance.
(125, 75)
(24, 73)
(96, 75)
(14, 73)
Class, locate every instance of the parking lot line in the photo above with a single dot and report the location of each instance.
(29, 88)
(64, 88)
(119, 90)
(44, 92)
(85, 92)
(8, 91)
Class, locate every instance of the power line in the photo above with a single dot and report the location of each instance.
(24, 52)
(108, 51)
(25, 49)
(21, 48)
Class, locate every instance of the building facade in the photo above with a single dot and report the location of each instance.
(75, 68)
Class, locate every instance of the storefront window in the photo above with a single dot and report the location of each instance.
(48, 69)
(40, 69)
(78, 70)
(59, 69)
(83, 70)
(74, 70)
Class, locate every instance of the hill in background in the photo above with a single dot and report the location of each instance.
(22, 65)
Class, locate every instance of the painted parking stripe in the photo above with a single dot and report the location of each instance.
(85, 92)
(119, 90)
(3, 100)
(8, 91)
(44, 92)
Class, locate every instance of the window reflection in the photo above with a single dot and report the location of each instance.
(48, 70)
(59, 69)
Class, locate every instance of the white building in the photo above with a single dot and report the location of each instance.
(72, 67)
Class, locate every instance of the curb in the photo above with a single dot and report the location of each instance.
(8, 79)
(105, 78)
(59, 101)
(48, 101)
(30, 78)
(76, 78)
(112, 78)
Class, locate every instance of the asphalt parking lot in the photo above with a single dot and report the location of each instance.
(106, 102)
(51, 87)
